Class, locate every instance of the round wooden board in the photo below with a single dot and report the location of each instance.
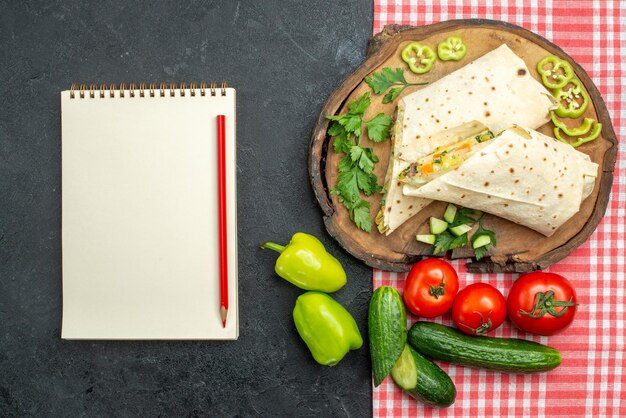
(519, 249)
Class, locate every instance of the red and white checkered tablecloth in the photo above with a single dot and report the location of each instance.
(590, 381)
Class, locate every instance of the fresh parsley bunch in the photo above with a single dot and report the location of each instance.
(356, 168)
(388, 77)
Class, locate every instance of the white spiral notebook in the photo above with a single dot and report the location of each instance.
(140, 212)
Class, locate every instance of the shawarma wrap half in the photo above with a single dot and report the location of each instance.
(521, 175)
(496, 90)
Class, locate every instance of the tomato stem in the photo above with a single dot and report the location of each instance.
(484, 327)
(545, 304)
(440, 290)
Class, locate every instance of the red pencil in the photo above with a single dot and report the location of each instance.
(221, 181)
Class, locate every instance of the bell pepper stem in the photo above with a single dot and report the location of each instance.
(273, 246)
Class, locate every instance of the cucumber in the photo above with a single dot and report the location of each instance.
(460, 229)
(481, 241)
(505, 354)
(387, 330)
(423, 379)
(450, 213)
(437, 226)
(426, 239)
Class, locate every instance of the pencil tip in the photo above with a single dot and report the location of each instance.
(223, 313)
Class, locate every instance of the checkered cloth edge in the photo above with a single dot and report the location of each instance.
(590, 382)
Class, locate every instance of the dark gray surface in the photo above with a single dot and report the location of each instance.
(284, 58)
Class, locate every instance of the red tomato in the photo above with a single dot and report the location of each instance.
(542, 303)
(478, 309)
(430, 288)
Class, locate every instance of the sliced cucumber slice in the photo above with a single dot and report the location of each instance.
(437, 226)
(481, 241)
(450, 213)
(426, 239)
(404, 372)
(422, 379)
(460, 229)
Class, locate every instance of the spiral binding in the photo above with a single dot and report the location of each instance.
(82, 90)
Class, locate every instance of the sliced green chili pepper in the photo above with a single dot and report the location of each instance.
(549, 69)
(452, 49)
(581, 130)
(419, 57)
(595, 132)
(572, 108)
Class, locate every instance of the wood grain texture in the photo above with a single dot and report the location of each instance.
(519, 249)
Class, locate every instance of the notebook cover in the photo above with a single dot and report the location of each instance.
(139, 216)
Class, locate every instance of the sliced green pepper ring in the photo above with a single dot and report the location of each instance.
(555, 72)
(595, 132)
(584, 127)
(452, 49)
(419, 57)
(572, 101)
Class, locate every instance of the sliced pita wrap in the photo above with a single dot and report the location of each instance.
(521, 175)
(495, 89)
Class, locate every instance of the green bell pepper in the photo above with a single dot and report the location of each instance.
(581, 130)
(554, 71)
(572, 108)
(326, 327)
(595, 132)
(419, 57)
(452, 49)
(305, 263)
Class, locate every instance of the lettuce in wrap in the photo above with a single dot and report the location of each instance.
(448, 157)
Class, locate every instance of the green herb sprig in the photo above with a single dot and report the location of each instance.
(446, 241)
(466, 216)
(356, 168)
(387, 77)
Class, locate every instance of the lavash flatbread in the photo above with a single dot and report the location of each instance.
(521, 175)
(495, 89)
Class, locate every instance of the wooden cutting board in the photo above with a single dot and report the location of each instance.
(519, 249)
